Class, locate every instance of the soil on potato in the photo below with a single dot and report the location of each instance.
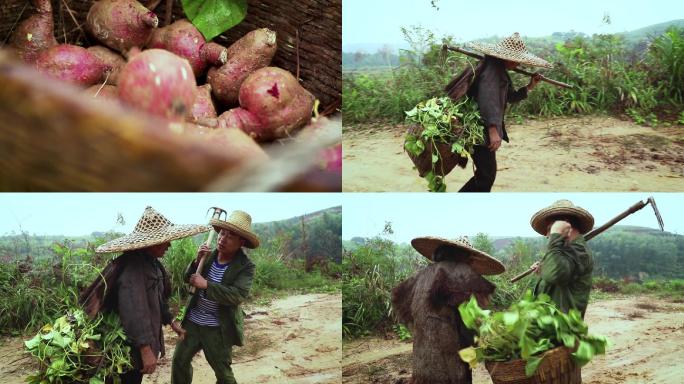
(593, 153)
(646, 337)
(296, 340)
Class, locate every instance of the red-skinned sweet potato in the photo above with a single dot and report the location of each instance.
(71, 63)
(111, 58)
(228, 139)
(203, 107)
(272, 105)
(104, 92)
(36, 33)
(159, 82)
(183, 39)
(121, 24)
(253, 51)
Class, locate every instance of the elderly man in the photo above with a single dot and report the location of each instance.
(214, 320)
(427, 303)
(143, 288)
(492, 89)
(566, 267)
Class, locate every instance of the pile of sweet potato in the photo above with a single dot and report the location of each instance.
(242, 103)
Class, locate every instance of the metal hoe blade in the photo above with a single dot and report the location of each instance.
(651, 201)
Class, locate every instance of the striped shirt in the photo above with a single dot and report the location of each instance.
(206, 311)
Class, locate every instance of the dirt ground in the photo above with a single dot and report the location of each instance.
(562, 154)
(646, 337)
(295, 340)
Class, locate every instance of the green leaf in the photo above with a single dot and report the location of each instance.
(33, 343)
(584, 353)
(469, 355)
(532, 365)
(435, 158)
(213, 17)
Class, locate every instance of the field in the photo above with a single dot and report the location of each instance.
(589, 153)
(646, 337)
(295, 339)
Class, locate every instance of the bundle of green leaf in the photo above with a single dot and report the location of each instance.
(442, 123)
(77, 349)
(528, 328)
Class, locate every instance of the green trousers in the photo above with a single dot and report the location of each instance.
(218, 355)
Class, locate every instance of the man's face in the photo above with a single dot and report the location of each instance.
(159, 250)
(511, 64)
(228, 241)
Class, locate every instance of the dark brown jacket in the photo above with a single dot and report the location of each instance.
(492, 90)
(142, 302)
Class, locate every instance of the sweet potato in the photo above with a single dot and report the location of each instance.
(121, 24)
(272, 105)
(203, 107)
(183, 39)
(111, 58)
(71, 63)
(105, 92)
(36, 33)
(253, 51)
(158, 82)
(231, 139)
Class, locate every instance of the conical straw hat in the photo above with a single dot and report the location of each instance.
(541, 220)
(511, 48)
(481, 262)
(239, 222)
(152, 229)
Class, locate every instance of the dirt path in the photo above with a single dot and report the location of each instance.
(563, 154)
(295, 340)
(646, 336)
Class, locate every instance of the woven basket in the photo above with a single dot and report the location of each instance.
(447, 160)
(556, 368)
(51, 139)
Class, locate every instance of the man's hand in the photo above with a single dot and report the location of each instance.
(536, 266)
(536, 78)
(176, 326)
(494, 139)
(149, 360)
(202, 251)
(197, 281)
(562, 227)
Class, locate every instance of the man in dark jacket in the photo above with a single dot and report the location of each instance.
(213, 321)
(566, 267)
(493, 90)
(143, 288)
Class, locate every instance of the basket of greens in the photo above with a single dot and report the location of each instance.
(441, 135)
(77, 349)
(532, 342)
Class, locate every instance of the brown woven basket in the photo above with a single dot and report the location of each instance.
(447, 160)
(52, 139)
(556, 368)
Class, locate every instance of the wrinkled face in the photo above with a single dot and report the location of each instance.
(229, 242)
(159, 250)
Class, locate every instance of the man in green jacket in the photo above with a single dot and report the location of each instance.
(213, 321)
(565, 268)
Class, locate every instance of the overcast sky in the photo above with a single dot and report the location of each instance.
(497, 214)
(75, 214)
(378, 21)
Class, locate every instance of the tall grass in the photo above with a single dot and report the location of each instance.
(607, 78)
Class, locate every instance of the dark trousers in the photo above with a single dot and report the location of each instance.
(485, 171)
(131, 377)
(209, 340)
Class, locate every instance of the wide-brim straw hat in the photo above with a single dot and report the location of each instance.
(511, 48)
(152, 229)
(481, 262)
(541, 220)
(239, 222)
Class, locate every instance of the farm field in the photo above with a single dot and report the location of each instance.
(591, 153)
(646, 337)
